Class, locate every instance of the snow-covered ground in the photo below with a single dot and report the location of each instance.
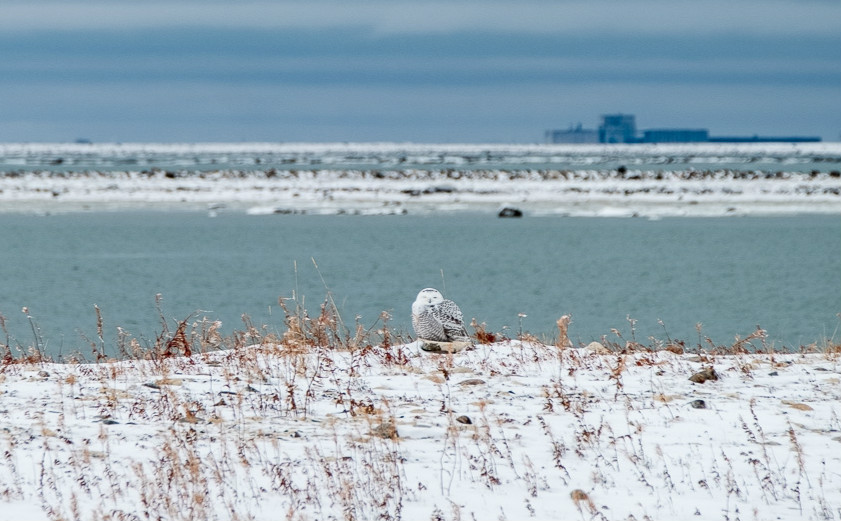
(509, 430)
(588, 180)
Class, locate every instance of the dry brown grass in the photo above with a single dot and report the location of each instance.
(224, 441)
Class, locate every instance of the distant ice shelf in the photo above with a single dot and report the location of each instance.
(588, 180)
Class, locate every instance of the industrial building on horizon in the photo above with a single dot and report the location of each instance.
(622, 128)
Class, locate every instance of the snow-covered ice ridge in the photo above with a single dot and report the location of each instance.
(511, 430)
(650, 180)
(27, 155)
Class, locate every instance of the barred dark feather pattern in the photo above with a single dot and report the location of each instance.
(437, 319)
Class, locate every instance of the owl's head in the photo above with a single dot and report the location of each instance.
(429, 296)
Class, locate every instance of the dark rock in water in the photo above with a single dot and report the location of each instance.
(465, 420)
(510, 212)
(702, 376)
(698, 404)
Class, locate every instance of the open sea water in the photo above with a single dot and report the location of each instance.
(728, 274)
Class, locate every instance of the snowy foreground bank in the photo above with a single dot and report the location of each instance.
(509, 430)
(576, 180)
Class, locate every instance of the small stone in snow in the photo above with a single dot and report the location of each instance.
(465, 420)
(702, 376)
(698, 404)
(597, 348)
(578, 497)
(798, 406)
(385, 430)
(43, 374)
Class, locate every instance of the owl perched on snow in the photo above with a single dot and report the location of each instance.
(437, 319)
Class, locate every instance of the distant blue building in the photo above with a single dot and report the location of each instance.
(765, 139)
(618, 128)
(575, 134)
(622, 128)
(676, 135)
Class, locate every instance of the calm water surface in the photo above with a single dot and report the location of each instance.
(729, 274)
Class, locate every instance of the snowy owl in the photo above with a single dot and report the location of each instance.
(437, 319)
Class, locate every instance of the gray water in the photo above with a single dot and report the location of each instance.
(729, 274)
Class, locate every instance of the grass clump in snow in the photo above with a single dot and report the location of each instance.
(327, 420)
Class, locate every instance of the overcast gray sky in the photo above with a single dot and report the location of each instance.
(423, 71)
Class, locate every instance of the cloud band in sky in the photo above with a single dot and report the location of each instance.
(417, 71)
(781, 17)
